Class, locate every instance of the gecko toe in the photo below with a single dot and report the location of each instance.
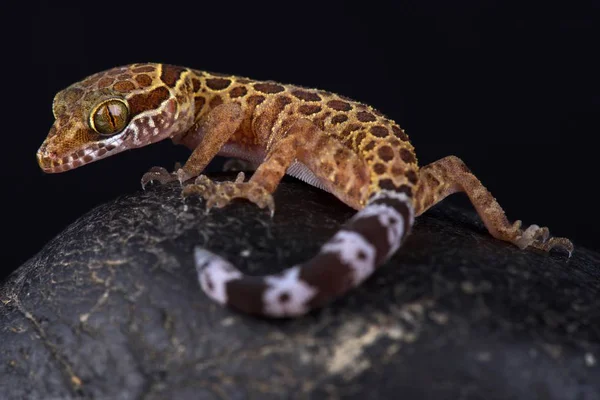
(159, 174)
(539, 238)
(163, 176)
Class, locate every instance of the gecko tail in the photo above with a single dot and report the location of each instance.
(365, 242)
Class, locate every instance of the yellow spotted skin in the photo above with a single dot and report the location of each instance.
(343, 146)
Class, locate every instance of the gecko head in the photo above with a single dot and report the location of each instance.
(116, 110)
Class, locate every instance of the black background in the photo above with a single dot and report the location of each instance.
(506, 87)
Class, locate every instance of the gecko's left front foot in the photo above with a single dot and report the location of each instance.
(219, 194)
(163, 176)
(539, 238)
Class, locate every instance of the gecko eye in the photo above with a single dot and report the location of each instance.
(109, 117)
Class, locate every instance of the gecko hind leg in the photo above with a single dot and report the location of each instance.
(450, 175)
(353, 254)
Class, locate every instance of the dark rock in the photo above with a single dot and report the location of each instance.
(111, 309)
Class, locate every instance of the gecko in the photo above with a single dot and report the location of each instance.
(342, 146)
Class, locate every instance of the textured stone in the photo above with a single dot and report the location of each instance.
(111, 309)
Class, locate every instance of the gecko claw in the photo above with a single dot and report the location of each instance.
(182, 175)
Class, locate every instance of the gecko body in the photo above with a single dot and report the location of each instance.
(337, 144)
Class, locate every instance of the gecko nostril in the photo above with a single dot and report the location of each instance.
(40, 159)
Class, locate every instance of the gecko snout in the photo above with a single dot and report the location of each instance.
(45, 159)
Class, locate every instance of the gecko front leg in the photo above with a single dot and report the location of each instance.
(206, 137)
(341, 171)
(450, 175)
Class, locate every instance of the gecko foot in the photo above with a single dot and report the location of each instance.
(163, 176)
(539, 238)
(219, 194)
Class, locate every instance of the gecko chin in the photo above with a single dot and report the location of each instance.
(51, 162)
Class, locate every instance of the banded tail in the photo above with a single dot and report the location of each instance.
(365, 242)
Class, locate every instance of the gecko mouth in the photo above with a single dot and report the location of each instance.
(51, 163)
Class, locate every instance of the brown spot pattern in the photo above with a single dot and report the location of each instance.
(386, 153)
(196, 84)
(105, 82)
(269, 87)
(170, 74)
(407, 156)
(387, 184)
(238, 91)
(124, 86)
(218, 83)
(339, 105)
(379, 131)
(399, 133)
(255, 100)
(364, 116)
(338, 119)
(309, 109)
(143, 80)
(305, 95)
(411, 176)
(360, 136)
(147, 101)
(369, 146)
(379, 168)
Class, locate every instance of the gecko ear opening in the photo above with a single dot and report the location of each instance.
(109, 117)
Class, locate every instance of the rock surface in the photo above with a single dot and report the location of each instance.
(111, 309)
